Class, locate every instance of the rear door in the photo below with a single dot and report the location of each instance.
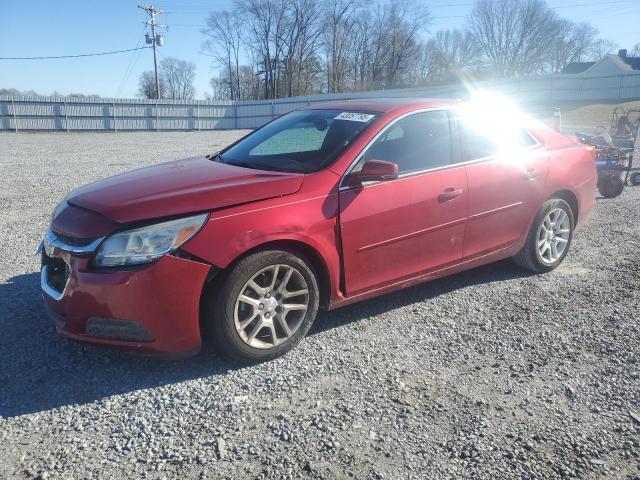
(506, 172)
(393, 230)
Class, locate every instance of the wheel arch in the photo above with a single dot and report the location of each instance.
(572, 199)
(296, 247)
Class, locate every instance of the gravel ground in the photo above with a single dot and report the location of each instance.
(493, 373)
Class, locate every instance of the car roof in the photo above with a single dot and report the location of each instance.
(383, 105)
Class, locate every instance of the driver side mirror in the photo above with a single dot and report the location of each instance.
(373, 171)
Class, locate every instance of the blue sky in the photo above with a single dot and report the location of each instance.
(66, 27)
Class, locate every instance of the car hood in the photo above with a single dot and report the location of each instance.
(180, 187)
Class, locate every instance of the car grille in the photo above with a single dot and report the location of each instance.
(74, 241)
(57, 272)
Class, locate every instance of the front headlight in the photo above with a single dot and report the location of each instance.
(146, 244)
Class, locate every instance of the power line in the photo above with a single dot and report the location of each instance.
(595, 4)
(73, 56)
(133, 60)
(200, 10)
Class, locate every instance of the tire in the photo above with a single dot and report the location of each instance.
(611, 186)
(635, 179)
(530, 256)
(230, 321)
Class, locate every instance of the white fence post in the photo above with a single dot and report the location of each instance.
(235, 114)
(15, 119)
(66, 119)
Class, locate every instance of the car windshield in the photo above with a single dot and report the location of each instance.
(303, 141)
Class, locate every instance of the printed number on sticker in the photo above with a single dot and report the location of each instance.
(354, 116)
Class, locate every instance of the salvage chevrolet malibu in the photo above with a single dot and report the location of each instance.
(319, 208)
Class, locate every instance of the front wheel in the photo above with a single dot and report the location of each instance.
(264, 307)
(549, 238)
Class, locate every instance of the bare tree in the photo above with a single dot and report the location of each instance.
(147, 85)
(225, 32)
(178, 76)
(267, 23)
(447, 54)
(404, 20)
(603, 46)
(360, 51)
(576, 42)
(14, 92)
(301, 43)
(378, 50)
(219, 89)
(635, 51)
(515, 36)
(249, 85)
(385, 44)
(338, 31)
(274, 48)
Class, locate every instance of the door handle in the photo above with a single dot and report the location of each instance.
(449, 194)
(530, 174)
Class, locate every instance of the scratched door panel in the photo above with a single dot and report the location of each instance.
(397, 229)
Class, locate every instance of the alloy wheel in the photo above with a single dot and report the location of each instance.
(271, 306)
(553, 236)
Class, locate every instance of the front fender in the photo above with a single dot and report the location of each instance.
(229, 234)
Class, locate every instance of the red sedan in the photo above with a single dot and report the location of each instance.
(319, 208)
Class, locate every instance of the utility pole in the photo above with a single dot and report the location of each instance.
(156, 40)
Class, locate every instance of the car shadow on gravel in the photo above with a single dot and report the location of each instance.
(41, 371)
(494, 272)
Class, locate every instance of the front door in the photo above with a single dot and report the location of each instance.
(394, 230)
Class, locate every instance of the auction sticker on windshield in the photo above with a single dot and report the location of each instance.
(355, 117)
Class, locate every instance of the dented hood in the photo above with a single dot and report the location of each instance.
(180, 187)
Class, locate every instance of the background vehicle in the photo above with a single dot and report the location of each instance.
(318, 209)
(626, 123)
(624, 126)
(613, 162)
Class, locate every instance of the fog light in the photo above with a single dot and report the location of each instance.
(118, 330)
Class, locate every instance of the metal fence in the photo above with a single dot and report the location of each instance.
(98, 114)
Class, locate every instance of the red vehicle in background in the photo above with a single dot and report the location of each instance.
(320, 208)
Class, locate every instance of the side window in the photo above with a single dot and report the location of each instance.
(417, 142)
(477, 143)
(486, 137)
(524, 139)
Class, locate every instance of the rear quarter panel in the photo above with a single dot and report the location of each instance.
(572, 167)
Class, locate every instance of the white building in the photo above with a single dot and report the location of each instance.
(612, 64)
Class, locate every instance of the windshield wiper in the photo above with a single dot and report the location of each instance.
(254, 166)
(218, 158)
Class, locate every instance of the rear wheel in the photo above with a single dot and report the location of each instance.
(635, 179)
(610, 186)
(265, 306)
(549, 238)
